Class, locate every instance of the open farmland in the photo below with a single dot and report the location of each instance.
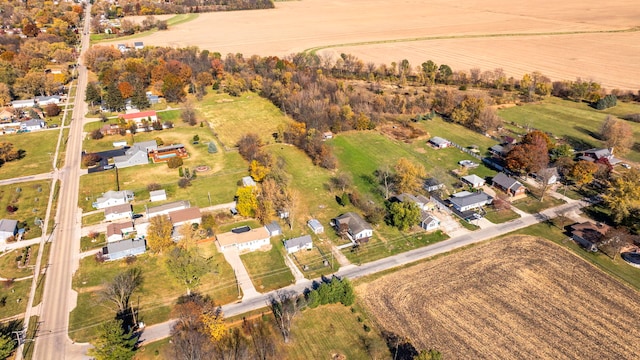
(519, 297)
(564, 40)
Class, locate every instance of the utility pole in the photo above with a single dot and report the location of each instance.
(237, 283)
(209, 193)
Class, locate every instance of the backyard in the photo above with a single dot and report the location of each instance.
(266, 268)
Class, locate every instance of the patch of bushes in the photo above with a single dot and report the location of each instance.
(331, 291)
(606, 102)
(175, 162)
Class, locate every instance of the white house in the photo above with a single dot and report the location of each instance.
(315, 226)
(117, 212)
(138, 45)
(33, 125)
(46, 100)
(190, 215)
(474, 180)
(118, 231)
(111, 198)
(249, 240)
(299, 243)
(433, 184)
(140, 117)
(354, 226)
(428, 221)
(19, 104)
(157, 195)
(470, 201)
(120, 249)
(8, 228)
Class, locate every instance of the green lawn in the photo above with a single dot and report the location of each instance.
(577, 123)
(322, 332)
(532, 205)
(378, 248)
(8, 263)
(93, 219)
(31, 200)
(15, 297)
(617, 268)
(39, 147)
(267, 269)
(158, 293)
(456, 133)
(500, 216)
(86, 243)
(314, 259)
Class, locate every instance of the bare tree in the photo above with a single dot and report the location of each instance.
(120, 289)
(188, 113)
(342, 181)
(261, 337)
(284, 306)
(385, 177)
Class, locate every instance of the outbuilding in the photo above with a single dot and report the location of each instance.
(299, 243)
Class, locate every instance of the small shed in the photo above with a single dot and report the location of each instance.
(248, 181)
(428, 221)
(273, 228)
(315, 226)
(157, 195)
(117, 144)
(439, 142)
(433, 184)
(297, 244)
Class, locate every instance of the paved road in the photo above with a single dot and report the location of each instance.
(52, 341)
(162, 330)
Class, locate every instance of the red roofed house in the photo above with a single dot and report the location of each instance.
(140, 117)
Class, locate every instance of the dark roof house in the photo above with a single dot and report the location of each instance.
(508, 184)
(589, 234)
(354, 226)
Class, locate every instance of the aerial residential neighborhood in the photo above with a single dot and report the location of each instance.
(319, 180)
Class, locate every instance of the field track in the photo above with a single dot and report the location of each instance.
(515, 298)
(574, 38)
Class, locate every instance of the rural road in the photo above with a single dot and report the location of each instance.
(52, 341)
(162, 330)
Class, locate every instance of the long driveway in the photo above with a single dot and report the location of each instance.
(162, 330)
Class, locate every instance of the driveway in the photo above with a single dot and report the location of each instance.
(233, 258)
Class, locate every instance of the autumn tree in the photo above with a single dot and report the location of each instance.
(430, 354)
(408, 175)
(247, 201)
(617, 134)
(188, 335)
(469, 111)
(622, 196)
(159, 233)
(582, 172)
(403, 215)
(258, 171)
(8, 152)
(214, 325)
(188, 113)
(249, 146)
(386, 179)
(529, 156)
(52, 110)
(261, 338)
(113, 342)
(121, 288)
(187, 266)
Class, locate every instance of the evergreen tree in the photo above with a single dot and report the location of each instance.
(92, 94)
(139, 99)
(113, 98)
(313, 299)
(348, 294)
(113, 343)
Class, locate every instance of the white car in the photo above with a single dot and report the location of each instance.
(626, 166)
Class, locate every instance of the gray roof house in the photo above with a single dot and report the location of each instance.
(8, 228)
(473, 180)
(273, 228)
(120, 249)
(439, 142)
(508, 184)
(165, 209)
(32, 125)
(354, 226)
(46, 100)
(428, 221)
(116, 212)
(470, 201)
(138, 45)
(433, 184)
(315, 226)
(297, 244)
(138, 154)
(111, 198)
(420, 201)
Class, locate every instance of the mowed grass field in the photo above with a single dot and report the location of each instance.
(267, 269)
(577, 123)
(156, 296)
(39, 147)
(31, 200)
(515, 297)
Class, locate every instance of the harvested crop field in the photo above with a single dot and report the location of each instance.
(519, 297)
(566, 39)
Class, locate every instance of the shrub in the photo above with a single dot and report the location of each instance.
(174, 162)
(96, 134)
(180, 172)
(153, 187)
(52, 110)
(159, 141)
(183, 183)
(11, 209)
(92, 159)
(606, 102)
(212, 149)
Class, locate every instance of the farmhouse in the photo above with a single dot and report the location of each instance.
(138, 154)
(433, 184)
(165, 209)
(315, 226)
(297, 244)
(249, 239)
(111, 198)
(428, 221)
(116, 212)
(465, 201)
(508, 184)
(32, 125)
(354, 226)
(474, 180)
(439, 143)
(8, 228)
(157, 195)
(599, 154)
(20, 104)
(120, 249)
(273, 228)
(190, 216)
(589, 234)
(118, 231)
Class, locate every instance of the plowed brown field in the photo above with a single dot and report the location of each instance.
(295, 26)
(515, 298)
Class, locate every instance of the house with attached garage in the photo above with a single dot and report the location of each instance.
(464, 200)
(138, 154)
(121, 249)
(46, 100)
(299, 243)
(117, 212)
(140, 118)
(111, 198)
(509, 185)
(588, 234)
(353, 226)
(244, 239)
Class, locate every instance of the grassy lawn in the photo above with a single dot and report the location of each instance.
(37, 146)
(322, 332)
(86, 243)
(379, 247)
(8, 263)
(617, 268)
(231, 117)
(156, 296)
(456, 133)
(314, 260)
(161, 349)
(500, 216)
(27, 352)
(31, 200)
(93, 219)
(15, 297)
(579, 122)
(227, 227)
(532, 205)
(267, 268)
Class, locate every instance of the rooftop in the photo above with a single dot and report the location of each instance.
(230, 238)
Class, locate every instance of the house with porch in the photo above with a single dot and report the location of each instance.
(300, 243)
(138, 154)
(353, 226)
(509, 185)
